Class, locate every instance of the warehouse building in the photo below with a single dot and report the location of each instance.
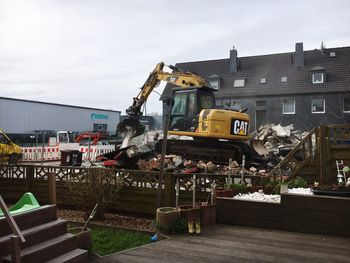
(21, 119)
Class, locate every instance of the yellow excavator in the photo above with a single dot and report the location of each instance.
(219, 134)
(9, 151)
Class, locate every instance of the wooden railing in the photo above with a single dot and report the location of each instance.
(17, 238)
(321, 148)
(297, 158)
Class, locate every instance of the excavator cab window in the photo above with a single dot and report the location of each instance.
(207, 101)
(184, 110)
(179, 108)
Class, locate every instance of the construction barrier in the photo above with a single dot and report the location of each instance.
(95, 151)
(38, 154)
(46, 153)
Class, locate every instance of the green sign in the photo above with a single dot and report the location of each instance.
(95, 116)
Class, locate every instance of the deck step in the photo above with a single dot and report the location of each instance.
(47, 250)
(30, 219)
(35, 235)
(74, 256)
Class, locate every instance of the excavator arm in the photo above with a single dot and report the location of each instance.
(177, 77)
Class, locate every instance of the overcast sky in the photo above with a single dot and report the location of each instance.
(97, 53)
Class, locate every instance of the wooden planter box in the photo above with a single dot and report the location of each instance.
(208, 214)
(222, 192)
(301, 213)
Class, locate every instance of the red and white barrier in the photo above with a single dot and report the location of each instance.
(95, 151)
(37, 154)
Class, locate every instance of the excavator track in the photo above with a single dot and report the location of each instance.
(216, 151)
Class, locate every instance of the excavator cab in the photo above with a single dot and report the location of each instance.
(187, 104)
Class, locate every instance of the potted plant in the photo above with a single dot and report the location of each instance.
(270, 186)
(239, 188)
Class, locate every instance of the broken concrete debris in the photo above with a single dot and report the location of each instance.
(278, 141)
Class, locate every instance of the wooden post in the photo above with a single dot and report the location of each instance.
(52, 188)
(168, 190)
(29, 173)
(322, 153)
(162, 158)
(328, 164)
(15, 247)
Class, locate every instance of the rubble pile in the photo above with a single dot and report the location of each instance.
(176, 163)
(276, 142)
(279, 140)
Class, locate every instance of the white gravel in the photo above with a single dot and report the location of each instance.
(261, 197)
(301, 191)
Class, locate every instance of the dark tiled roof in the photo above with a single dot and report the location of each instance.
(273, 67)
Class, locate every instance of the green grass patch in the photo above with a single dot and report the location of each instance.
(107, 240)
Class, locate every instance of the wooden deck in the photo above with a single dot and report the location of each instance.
(227, 243)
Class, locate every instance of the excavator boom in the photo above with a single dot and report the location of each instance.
(131, 125)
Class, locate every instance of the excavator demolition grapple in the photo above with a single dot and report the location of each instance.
(218, 134)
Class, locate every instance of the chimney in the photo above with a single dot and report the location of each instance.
(233, 61)
(299, 55)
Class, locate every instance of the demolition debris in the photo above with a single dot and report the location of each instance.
(278, 141)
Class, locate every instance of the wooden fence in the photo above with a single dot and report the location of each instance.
(138, 192)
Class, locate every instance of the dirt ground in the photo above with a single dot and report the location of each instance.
(115, 220)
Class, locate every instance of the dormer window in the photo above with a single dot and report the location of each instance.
(318, 75)
(263, 81)
(332, 54)
(284, 79)
(317, 78)
(239, 83)
(214, 81)
(214, 84)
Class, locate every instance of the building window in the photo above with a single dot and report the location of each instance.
(261, 103)
(263, 81)
(347, 104)
(239, 83)
(218, 103)
(284, 79)
(289, 106)
(318, 106)
(317, 78)
(214, 84)
(236, 105)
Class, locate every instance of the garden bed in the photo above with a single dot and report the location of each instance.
(113, 220)
(108, 240)
(295, 212)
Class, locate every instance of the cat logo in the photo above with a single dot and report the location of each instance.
(239, 127)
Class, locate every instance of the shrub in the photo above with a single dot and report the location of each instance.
(239, 188)
(297, 182)
(98, 185)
